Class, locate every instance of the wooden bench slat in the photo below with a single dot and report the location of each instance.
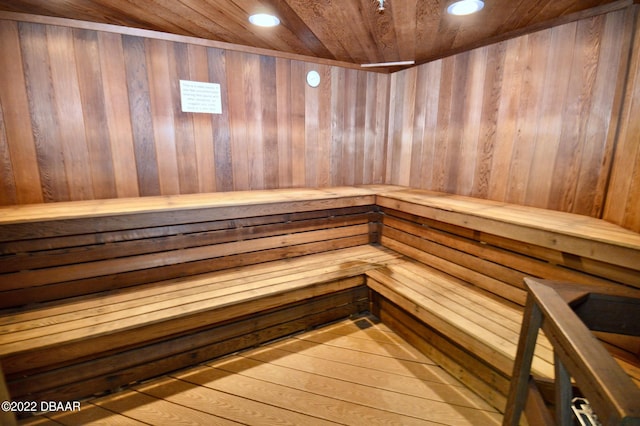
(469, 333)
(69, 289)
(537, 226)
(16, 341)
(171, 322)
(428, 286)
(479, 248)
(410, 301)
(61, 218)
(118, 265)
(483, 281)
(139, 295)
(258, 199)
(230, 336)
(493, 315)
(457, 290)
(185, 226)
(452, 254)
(165, 241)
(525, 255)
(181, 290)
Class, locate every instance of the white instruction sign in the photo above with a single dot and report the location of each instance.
(197, 96)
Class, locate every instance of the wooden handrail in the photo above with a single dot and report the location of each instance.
(578, 353)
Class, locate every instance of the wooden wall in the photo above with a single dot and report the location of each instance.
(531, 120)
(623, 198)
(545, 119)
(89, 114)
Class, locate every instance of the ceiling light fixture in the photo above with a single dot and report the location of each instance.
(388, 64)
(264, 20)
(465, 7)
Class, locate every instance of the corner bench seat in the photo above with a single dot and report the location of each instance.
(482, 324)
(117, 291)
(459, 295)
(473, 335)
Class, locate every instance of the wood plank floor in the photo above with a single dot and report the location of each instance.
(354, 372)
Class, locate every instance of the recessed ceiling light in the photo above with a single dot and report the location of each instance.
(264, 20)
(465, 7)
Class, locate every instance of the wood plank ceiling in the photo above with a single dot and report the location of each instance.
(351, 31)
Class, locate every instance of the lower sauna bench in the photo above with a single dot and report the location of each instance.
(472, 334)
(64, 350)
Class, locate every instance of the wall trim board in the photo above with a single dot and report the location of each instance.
(138, 32)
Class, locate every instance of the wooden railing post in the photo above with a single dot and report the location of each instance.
(6, 415)
(531, 323)
(577, 352)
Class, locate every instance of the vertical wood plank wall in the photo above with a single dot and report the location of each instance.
(91, 114)
(623, 197)
(548, 119)
(531, 120)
